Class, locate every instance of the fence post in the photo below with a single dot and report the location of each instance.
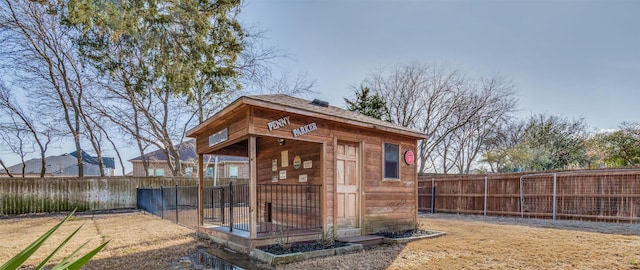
(200, 222)
(222, 206)
(231, 206)
(486, 184)
(161, 202)
(555, 195)
(433, 199)
(176, 204)
(521, 197)
(459, 201)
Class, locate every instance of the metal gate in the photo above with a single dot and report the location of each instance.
(227, 206)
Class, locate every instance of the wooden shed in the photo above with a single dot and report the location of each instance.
(315, 170)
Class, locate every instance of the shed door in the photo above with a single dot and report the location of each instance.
(347, 185)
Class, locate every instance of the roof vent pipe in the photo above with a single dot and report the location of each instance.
(320, 103)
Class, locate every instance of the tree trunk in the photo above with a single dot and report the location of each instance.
(177, 168)
(5, 168)
(117, 154)
(79, 156)
(24, 167)
(43, 169)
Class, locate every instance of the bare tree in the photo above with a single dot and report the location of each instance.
(492, 103)
(18, 143)
(105, 131)
(44, 60)
(116, 104)
(280, 82)
(500, 147)
(5, 168)
(119, 106)
(455, 112)
(260, 74)
(23, 128)
(424, 98)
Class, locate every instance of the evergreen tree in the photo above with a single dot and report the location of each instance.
(368, 104)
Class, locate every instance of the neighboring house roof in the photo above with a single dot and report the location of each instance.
(89, 170)
(108, 162)
(187, 152)
(295, 105)
(65, 164)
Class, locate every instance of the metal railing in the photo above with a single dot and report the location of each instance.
(227, 206)
(280, 207)
(178, 204)
(288, 207)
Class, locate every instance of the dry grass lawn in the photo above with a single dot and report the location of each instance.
(473, 243)
(142, 241)
(482, 245)
(138, 241)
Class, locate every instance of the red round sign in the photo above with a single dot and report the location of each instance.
(408, 157)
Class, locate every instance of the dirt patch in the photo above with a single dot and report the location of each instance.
(299, 247)
(405, 234)
(142, 241)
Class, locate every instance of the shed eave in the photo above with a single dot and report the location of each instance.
(331, 117)
(197, 130)
(247, 100)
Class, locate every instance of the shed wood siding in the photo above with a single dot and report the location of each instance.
(237, 124)
(386, 204)
(330, 174)
(262, 117)
(270, 149)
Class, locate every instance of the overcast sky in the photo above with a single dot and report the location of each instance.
(570, 58)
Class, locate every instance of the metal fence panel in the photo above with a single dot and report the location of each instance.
(178, 204)
(288, 207)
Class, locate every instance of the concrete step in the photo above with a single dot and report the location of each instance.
(347, 232)
(364, 240)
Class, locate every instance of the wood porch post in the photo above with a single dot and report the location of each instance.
(323, 192)
(253, 188)
(200, 190)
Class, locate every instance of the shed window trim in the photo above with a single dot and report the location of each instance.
(391, 161)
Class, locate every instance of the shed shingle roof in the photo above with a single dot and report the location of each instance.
(299, 106)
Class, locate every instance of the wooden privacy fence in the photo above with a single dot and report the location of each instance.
(53, 194)
(602, 195)
(465, 194)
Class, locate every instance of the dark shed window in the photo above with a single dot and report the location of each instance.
(391, 160)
